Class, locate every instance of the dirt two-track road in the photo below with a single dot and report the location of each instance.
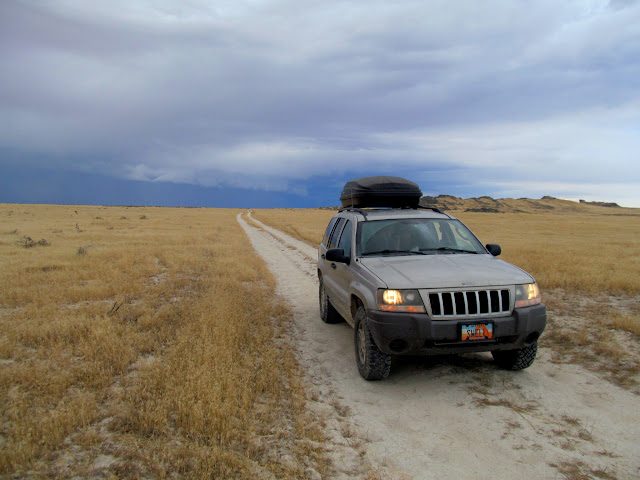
(450, 417)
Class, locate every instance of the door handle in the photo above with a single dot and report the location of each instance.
(333, 265)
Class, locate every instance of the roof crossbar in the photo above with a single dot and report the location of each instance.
(364, 211)
(435, 209)
(355, 209)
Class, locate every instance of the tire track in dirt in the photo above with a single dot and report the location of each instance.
(451, 417)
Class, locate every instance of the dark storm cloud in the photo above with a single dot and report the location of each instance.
(264, 94)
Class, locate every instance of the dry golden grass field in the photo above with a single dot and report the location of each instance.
(147, 342)
(144, 343)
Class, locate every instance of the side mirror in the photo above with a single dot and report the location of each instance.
(494, 249)
(337, 255)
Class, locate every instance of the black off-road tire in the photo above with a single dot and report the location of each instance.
(518, 359)
(372, 363)
(328, 314)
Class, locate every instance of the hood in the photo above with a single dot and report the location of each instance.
(444, 271)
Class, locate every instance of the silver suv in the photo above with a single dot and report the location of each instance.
(418, 282)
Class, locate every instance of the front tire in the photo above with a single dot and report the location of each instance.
(518, 359)
(328, 314)
(372, 363)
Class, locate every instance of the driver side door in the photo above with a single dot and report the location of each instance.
(342, 274)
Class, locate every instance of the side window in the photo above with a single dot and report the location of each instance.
(333, 238)
(345, 239)
(325, 239)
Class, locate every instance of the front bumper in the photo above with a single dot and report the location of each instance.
(418, 334)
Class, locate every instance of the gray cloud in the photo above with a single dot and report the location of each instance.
(268, 93)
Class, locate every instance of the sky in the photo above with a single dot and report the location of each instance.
(277, 103)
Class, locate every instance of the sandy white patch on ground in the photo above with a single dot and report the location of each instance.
(453, 417)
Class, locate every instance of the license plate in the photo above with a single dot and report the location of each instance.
(476, 331)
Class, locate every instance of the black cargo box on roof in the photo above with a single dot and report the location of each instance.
(381, 191)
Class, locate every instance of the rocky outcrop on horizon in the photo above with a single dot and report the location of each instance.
(483, 204)
(601, 204)
(486, 204)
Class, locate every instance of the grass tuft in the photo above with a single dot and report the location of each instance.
(624, 321)
(28, 242)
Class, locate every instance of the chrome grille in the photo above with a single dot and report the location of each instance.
(470, 303)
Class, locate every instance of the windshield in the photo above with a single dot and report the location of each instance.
(416, 236)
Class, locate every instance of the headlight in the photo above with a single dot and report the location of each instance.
(527, 295)
(400, 301)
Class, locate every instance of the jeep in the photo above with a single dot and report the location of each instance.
(417, 281)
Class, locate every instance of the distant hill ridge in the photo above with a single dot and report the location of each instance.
(510, 205)
(601, 204)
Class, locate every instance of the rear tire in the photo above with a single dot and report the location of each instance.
(328, 314)
(518, 359)
(372, 363)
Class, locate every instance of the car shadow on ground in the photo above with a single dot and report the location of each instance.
(441, 365)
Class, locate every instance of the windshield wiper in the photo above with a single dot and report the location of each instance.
(447, 249)
(412, 252)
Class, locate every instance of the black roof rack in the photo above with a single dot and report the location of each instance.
(356, 209)
(435, 209)
(364, 211)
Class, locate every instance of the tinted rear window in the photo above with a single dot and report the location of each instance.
(325, 239)
(333, 238)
